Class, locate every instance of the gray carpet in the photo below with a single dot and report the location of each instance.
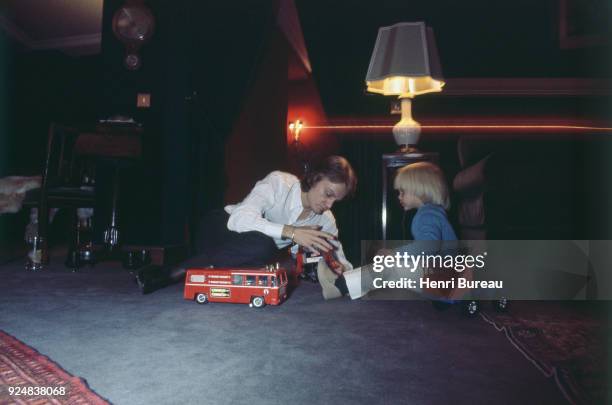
(159, 348)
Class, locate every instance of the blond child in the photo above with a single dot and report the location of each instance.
(422, 186)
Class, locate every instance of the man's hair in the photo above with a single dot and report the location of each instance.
(425, 180)
(334, 168)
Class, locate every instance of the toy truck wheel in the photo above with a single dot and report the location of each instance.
(501, 305)
(258, 302)
(472, 308)
(201, 298)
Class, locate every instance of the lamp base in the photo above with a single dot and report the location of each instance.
(409, 149)
(407, 131)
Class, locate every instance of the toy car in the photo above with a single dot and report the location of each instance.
(306, 264)
(472, 307)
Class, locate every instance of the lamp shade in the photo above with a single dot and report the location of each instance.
(405, 61)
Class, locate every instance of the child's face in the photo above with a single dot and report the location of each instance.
(408, 200)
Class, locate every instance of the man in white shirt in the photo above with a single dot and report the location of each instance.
(280, 210)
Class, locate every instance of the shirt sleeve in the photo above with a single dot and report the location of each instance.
(248, 215)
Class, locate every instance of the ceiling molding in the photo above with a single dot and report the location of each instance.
(86, 44)
(68, 42)
(528, 86)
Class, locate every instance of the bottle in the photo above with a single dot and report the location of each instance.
(32, 228)
(84, 245)
(34, 261)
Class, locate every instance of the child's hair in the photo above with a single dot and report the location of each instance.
(425, 180)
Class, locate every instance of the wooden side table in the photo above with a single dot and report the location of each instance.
(121, 146)
(112, 145)
(390, 163)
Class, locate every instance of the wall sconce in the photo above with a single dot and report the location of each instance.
(405, 63)
(300, 152)
(296, 128)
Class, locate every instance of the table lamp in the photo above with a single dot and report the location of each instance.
(405, 63)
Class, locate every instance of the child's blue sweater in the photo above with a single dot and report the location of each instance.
(430, 223)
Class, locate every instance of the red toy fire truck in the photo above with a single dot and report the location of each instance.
(254, 286)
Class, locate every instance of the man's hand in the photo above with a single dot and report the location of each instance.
(309, 237)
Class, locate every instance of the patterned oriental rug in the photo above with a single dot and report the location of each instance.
(28, 377)
(568, 345)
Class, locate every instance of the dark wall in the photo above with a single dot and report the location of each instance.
(200, 68)
(41, 87)
(155, 194)
(37, 88)
(475, 39)
(257, 144)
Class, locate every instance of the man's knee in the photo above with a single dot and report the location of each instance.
(211, 230)
(260, 245)
(244, 249)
